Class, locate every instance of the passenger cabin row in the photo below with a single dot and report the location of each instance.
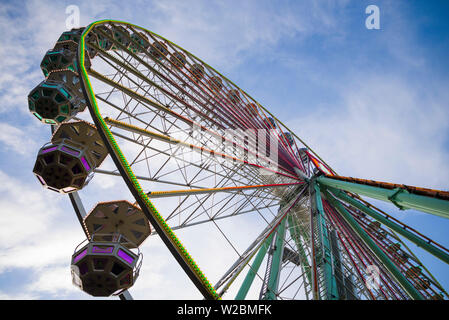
(108, 261)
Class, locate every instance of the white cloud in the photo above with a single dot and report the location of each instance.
(23, 208)
(34, 229)
(55, 281)
(36, 29)
(383, 129)
(17, 139)
(226, 33)
(18, 296)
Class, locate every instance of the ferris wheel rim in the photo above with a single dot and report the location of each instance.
(126, 171)
(158, 222)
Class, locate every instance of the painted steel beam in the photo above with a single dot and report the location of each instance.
(173, 141)
(326, 263)
(173, 193)
(391, 267)
(296, 235)
(399, 197)
(273, 279)
(269, 229)
(246, 285)
(437, 252)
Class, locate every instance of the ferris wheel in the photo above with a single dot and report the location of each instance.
(195, 149)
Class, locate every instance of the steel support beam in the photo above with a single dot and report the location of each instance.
(235, 269)
(296, 235)
(273, 279)
(173, 193)
(399, 197)
(200, 149)
(437, 252)
(246, 285)
(391, 267)
(326, 262)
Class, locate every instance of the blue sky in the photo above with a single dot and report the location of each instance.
(373, 103)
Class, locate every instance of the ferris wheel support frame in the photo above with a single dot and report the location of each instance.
(406, 285)
(269, 230)
(248, 281)
(296, 235)
(330, 282)
(425, 244)
(400, 197)
(275, 263)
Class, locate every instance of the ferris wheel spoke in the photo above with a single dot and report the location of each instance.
(189, 77)
(199, 219)
(136, 73)
(129, 114)
(196, 213)
(224, 180)
(150, 59)
(155, 114)
(171, 140)
(198, 176)
(227, 206)
(147, 133)
(241, 262)
(185, 224)
(115, 173)
(195, 177)
(389, 286)
(171, 193)
(222, 174)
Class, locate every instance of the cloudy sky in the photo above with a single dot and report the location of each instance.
(373, 103)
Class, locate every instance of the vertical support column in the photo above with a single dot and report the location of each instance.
(315, 287)
(77, 205)
(273, 279)
(336, 263)
(326, 260)
(244, 288)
